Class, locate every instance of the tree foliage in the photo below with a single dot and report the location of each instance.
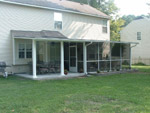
(129, 18)
(115, 28)
(108, 7)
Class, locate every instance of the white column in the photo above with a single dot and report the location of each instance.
(85, 58)
(110, 56)
(46, 56)
(34, 58)
(62, 58)
(130, 55)
(120, 56)
(14, 52)
(98, 57)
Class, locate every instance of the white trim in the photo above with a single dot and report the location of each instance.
(98, 58)
(130, 57)
(120, 57)
(62, 10)
(46, 49)
(34, 58)
(85, 58)
(62, 57)
(14, 52)
(75, 40)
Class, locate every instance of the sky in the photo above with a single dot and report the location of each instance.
(135, 7)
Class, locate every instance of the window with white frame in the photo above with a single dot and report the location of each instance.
(104, 26)
(138, 35)
(21, 51)
(58, 21)
(28, 50)
(24, 50)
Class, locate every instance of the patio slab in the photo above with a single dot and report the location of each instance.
(51, 76)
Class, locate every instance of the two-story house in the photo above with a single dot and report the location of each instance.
(138, 31)
(43, 37)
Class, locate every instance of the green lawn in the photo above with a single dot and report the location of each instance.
(123, 93)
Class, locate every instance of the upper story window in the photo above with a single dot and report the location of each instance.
(24, 50)
(104, 26)
(58, 21)
(138, 35)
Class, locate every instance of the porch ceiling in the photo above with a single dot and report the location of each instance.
(37, 34)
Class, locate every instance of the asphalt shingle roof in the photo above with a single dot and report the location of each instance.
(37, 34)
(63, 5)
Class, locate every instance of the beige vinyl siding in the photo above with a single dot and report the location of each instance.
(15, 17)
(140, 53)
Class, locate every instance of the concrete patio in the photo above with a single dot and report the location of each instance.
(51, 76)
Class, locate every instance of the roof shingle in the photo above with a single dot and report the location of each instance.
(63, 5)
(37, 34)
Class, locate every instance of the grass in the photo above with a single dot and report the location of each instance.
(107, 94)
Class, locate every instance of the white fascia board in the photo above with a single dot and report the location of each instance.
(62, 10)
(74, 40)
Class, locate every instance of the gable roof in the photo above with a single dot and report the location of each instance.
(37, 34)
(61, 5)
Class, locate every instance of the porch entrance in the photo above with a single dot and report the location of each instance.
(73, 58)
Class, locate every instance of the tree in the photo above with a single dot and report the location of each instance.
(108, 7)
(115, 28)
(128, 19)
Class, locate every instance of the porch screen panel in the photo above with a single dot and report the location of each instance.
(126, 51)
(92, 52)
(54, 52)
(115, 65)
(115, 51)
(104, 65)
(104, 51)
(92, 66)
(66, 55)
(92, 57)
(80, 56)
(54, 57)
(125, 64)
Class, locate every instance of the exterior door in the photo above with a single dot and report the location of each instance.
(73, 59)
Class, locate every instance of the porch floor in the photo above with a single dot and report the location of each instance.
(51, 76)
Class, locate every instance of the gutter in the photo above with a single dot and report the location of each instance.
(62, 10)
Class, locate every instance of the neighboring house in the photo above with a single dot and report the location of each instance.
(138, 31)
(49, 36)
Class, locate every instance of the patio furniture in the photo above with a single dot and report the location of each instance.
(2, 69)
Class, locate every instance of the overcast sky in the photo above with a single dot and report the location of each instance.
(136, 7)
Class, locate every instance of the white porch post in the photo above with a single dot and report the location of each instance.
(14, 52)
(62, 57)
(34, 58)
(130, 55)
(85, 58)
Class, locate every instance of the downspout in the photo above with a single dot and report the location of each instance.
(89, 44)
(134, 46)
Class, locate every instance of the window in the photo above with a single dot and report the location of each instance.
(138, 35)
(21, 50)
(58, 21)
(28, 50)
(24, 51)
(104, 26)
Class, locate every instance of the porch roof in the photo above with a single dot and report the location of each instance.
(37, 34)
(55, 36)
